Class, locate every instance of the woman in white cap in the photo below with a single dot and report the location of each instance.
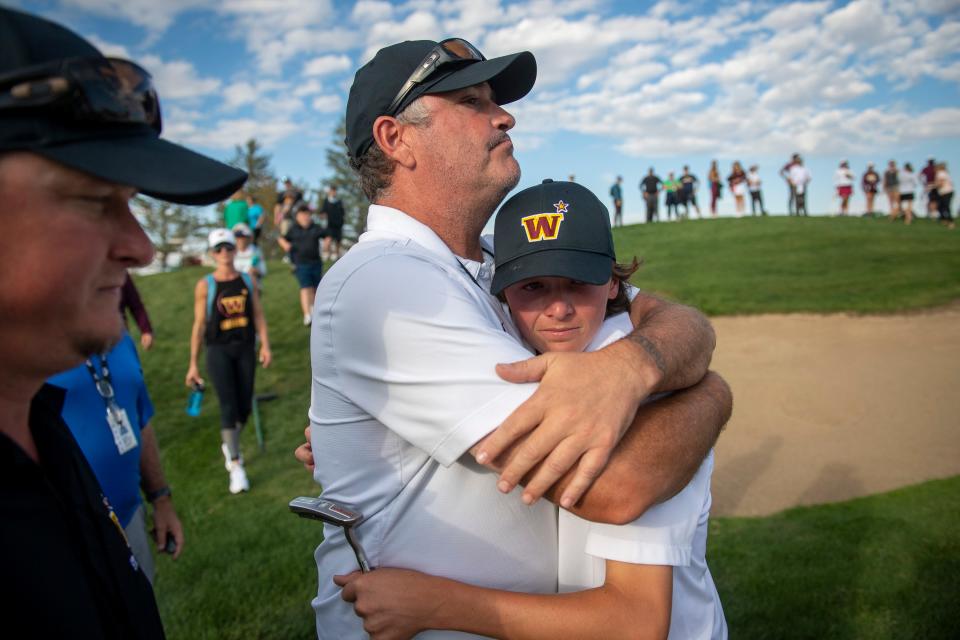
(228, 317)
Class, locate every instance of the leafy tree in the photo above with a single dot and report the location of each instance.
(261, 185)
(348, 189)
(169, 225)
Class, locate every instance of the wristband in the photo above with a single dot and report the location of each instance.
(153, 496)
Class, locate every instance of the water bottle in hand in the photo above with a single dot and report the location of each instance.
(195, 401)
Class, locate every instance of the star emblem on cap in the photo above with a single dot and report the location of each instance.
(561, 206)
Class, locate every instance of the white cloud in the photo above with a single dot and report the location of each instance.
(795, 15)
(154, 15)
(238, 94)
(371, 10)
(327, 103)
(225, 134)
(308, 88)
(109, 48)
(178, 79)
(326, 65)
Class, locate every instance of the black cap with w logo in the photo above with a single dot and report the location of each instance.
(553, 229)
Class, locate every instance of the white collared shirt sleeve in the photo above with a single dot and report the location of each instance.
(663, 535)
(416, 349)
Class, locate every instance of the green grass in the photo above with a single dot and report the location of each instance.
(880, 567)
(247, 568)
(780, 264)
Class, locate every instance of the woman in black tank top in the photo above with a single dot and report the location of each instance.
(228, 317)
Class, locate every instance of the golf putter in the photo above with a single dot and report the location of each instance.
(337, 515)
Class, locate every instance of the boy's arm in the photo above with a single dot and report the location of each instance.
(586, 401)
(635, 602)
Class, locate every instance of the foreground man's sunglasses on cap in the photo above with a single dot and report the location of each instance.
(92, 90)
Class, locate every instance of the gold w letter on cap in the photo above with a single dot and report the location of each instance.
(541, 226)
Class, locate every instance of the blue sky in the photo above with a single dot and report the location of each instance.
(622, 86)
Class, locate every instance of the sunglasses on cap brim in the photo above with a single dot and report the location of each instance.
(95, 89)
(445, 52)
(223, 246)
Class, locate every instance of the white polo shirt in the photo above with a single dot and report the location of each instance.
(403, 347)
(671, 533)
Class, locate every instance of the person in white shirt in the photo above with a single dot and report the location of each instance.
(756, 193)
(843, 181)
(248, 258)
(908, 182)
(566, 293)
(799, 178)
(406, 342)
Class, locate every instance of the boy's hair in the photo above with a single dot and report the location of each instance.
(622, 273)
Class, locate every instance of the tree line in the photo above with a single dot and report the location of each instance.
(178, 228)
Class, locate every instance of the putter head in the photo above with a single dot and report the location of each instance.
(325, 511)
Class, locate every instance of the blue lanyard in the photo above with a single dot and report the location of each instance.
(102, 381)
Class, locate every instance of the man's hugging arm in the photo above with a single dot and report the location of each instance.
(587, 402)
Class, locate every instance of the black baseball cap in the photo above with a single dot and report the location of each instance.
(124, 152)
(377, 83)
(553, 229)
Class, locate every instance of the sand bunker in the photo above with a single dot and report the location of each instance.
(828, 408)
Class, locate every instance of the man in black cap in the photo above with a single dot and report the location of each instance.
(406, 340)
(79, 136)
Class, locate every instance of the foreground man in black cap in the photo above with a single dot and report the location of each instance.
(79, 136)
(406, 340)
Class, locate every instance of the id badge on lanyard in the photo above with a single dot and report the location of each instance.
(117, 419)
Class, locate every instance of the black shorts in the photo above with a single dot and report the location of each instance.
(335, 232)
(933, 196)
(906, 197)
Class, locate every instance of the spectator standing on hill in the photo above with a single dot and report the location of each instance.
(716, 187)
(800, 177)
(928, 178)
(256, 216)
(791, 189)
(248, 258)
(688, 191)
(891, 186)
(69, 164)
(908, 183)
(227, 319)
(671, 187)
(236, 210)
(738, 187)
(616, 192)
(871, 185)
(302, 243)
(108, 410)
(754, 183)
(332, 209)
(130, 301)
(651, 186)
(843, 181)
(944, 185)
